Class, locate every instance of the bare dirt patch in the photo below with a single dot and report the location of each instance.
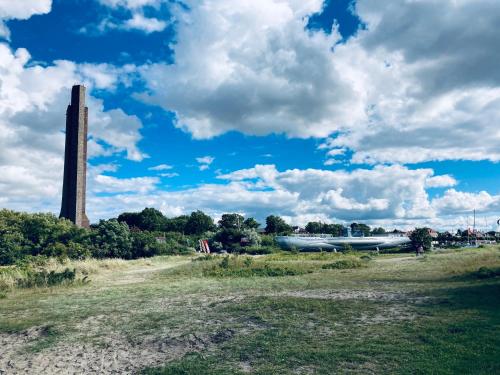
(341, 295)
(115, 354)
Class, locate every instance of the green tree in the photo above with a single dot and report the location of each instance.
(112, 239)
(231, 221)
(149, 219)
(378, 231)
(177, 224)
(314, 227)
(199, 223)
(421, 237)
(152, 220)
(276, 225)
(133, 219)
(360, 228)
(251, 223)
(334, 229)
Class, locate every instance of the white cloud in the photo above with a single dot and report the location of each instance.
(392, 196)
(130, 4)
(148, 25)
(169, 175)
(441, 181)
(336, 152)
(460, 202)
(205, 162)
(161, 167)
(253, 68)
(21, 10)
(135, 10)
(110, 184)
(332, 162)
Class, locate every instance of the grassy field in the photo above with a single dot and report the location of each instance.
(316, 313)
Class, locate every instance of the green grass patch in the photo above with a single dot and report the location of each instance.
(247, 267)
(48, 336)
(487, 272)
(193, 363)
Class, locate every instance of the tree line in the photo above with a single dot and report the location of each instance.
(146, 233)
(129, 236)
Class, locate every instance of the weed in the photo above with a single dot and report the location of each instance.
(248, 262)
(224, 264)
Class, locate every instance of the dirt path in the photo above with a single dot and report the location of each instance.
(138, 275)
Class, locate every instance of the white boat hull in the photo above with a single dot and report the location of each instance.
(338, 243)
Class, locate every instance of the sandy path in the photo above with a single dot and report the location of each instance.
(138, 275)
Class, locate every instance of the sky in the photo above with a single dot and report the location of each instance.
(375, 111)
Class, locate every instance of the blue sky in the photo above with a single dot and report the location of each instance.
(337, 111)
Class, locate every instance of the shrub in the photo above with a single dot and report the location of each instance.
(347, 248)
(112, 239)
(344, 264)
(23, 234)
(267, 240)
(45, 279)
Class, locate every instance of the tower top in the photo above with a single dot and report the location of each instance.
(78, 95)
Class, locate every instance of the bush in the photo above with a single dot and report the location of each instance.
(112, 239)
(47, 279)
(23, 235)
(347, 248)
(267, 240)
(344, 264)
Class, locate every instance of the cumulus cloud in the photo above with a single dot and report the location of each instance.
(21, 10)
(392, 196)
(411, 86)
(253, 68)
(458, 202)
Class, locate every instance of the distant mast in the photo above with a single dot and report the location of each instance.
(75, 159)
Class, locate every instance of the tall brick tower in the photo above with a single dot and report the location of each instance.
(75, 159)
